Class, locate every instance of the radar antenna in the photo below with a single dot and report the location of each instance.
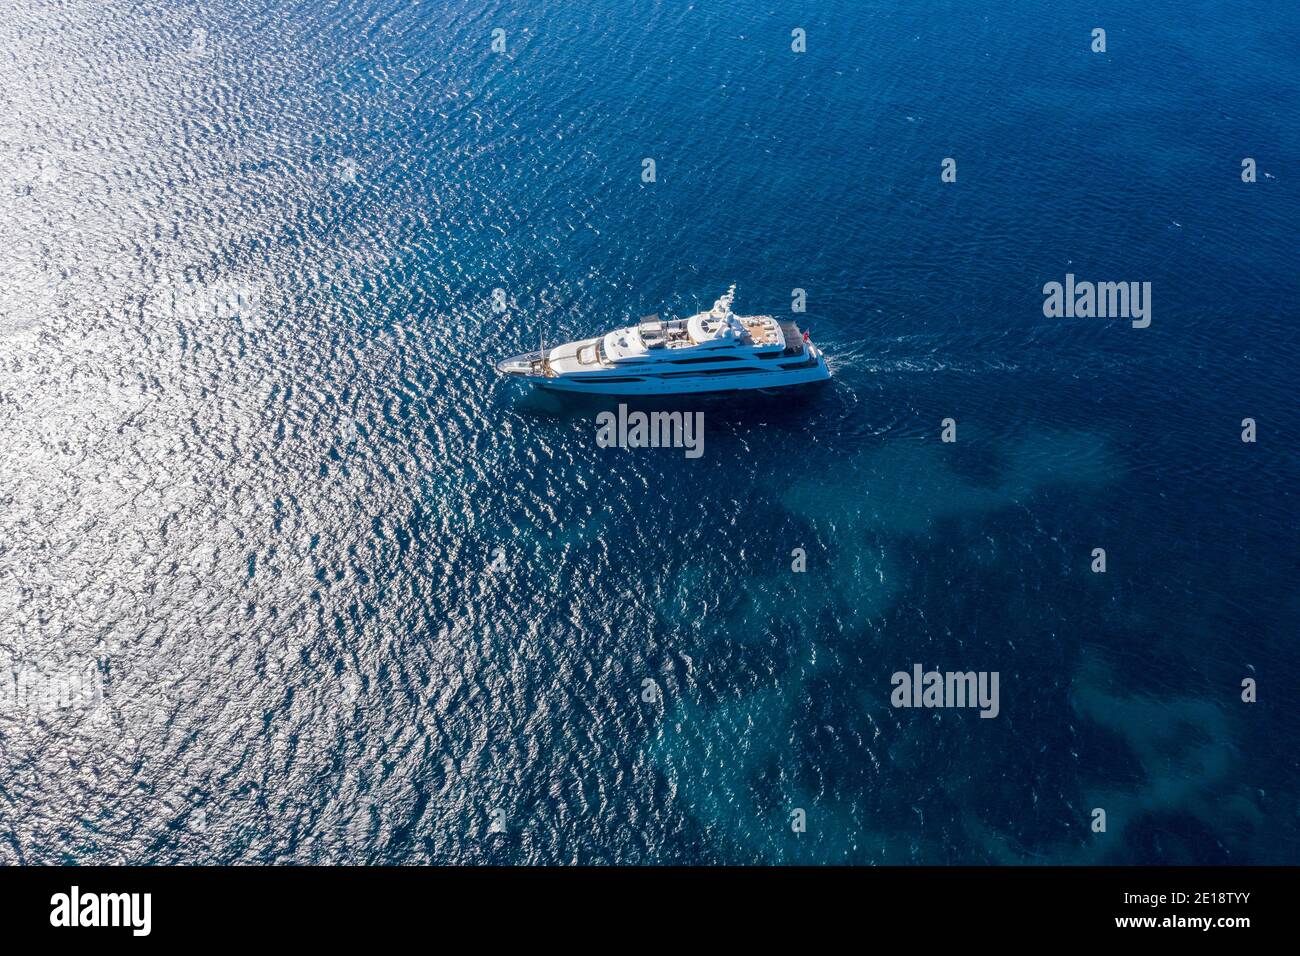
(727, 299)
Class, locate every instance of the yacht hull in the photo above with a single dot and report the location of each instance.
(759, 382)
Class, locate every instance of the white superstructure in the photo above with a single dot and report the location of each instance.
(714, 351)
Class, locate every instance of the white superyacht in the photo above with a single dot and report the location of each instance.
(714, 351)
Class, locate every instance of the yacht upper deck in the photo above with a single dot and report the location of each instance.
(652, 340)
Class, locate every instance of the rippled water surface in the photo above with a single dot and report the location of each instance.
(344, 595)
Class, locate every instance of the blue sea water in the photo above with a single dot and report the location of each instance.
(344, 595)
